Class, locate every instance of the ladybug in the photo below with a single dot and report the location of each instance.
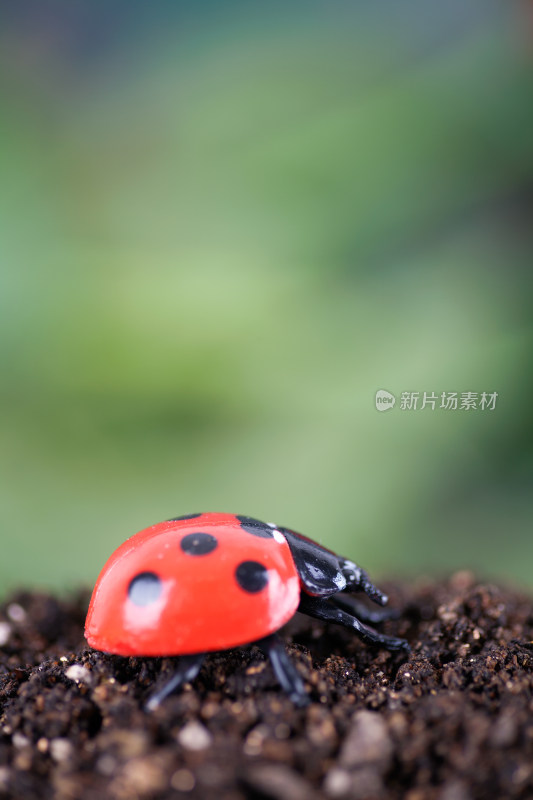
(205, 582)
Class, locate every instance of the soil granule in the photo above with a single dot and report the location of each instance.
(453, 721)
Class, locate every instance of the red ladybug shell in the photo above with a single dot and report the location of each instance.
(192, 585)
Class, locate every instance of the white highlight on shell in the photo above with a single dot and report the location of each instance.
(279, 537)
(340, 581)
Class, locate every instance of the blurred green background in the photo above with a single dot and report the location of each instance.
(224, 226)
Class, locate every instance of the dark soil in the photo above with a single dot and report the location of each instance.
(453, 722)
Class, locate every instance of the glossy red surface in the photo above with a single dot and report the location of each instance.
(201, 606)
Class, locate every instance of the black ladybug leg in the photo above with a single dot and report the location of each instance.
(355, 607)
(357, 580)
(323, 609)
(284, 669)
(188, 669)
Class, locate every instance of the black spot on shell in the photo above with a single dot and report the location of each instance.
(198, 544)
(185, 516)
(145, 589)
(251, 576)
(255, 526)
